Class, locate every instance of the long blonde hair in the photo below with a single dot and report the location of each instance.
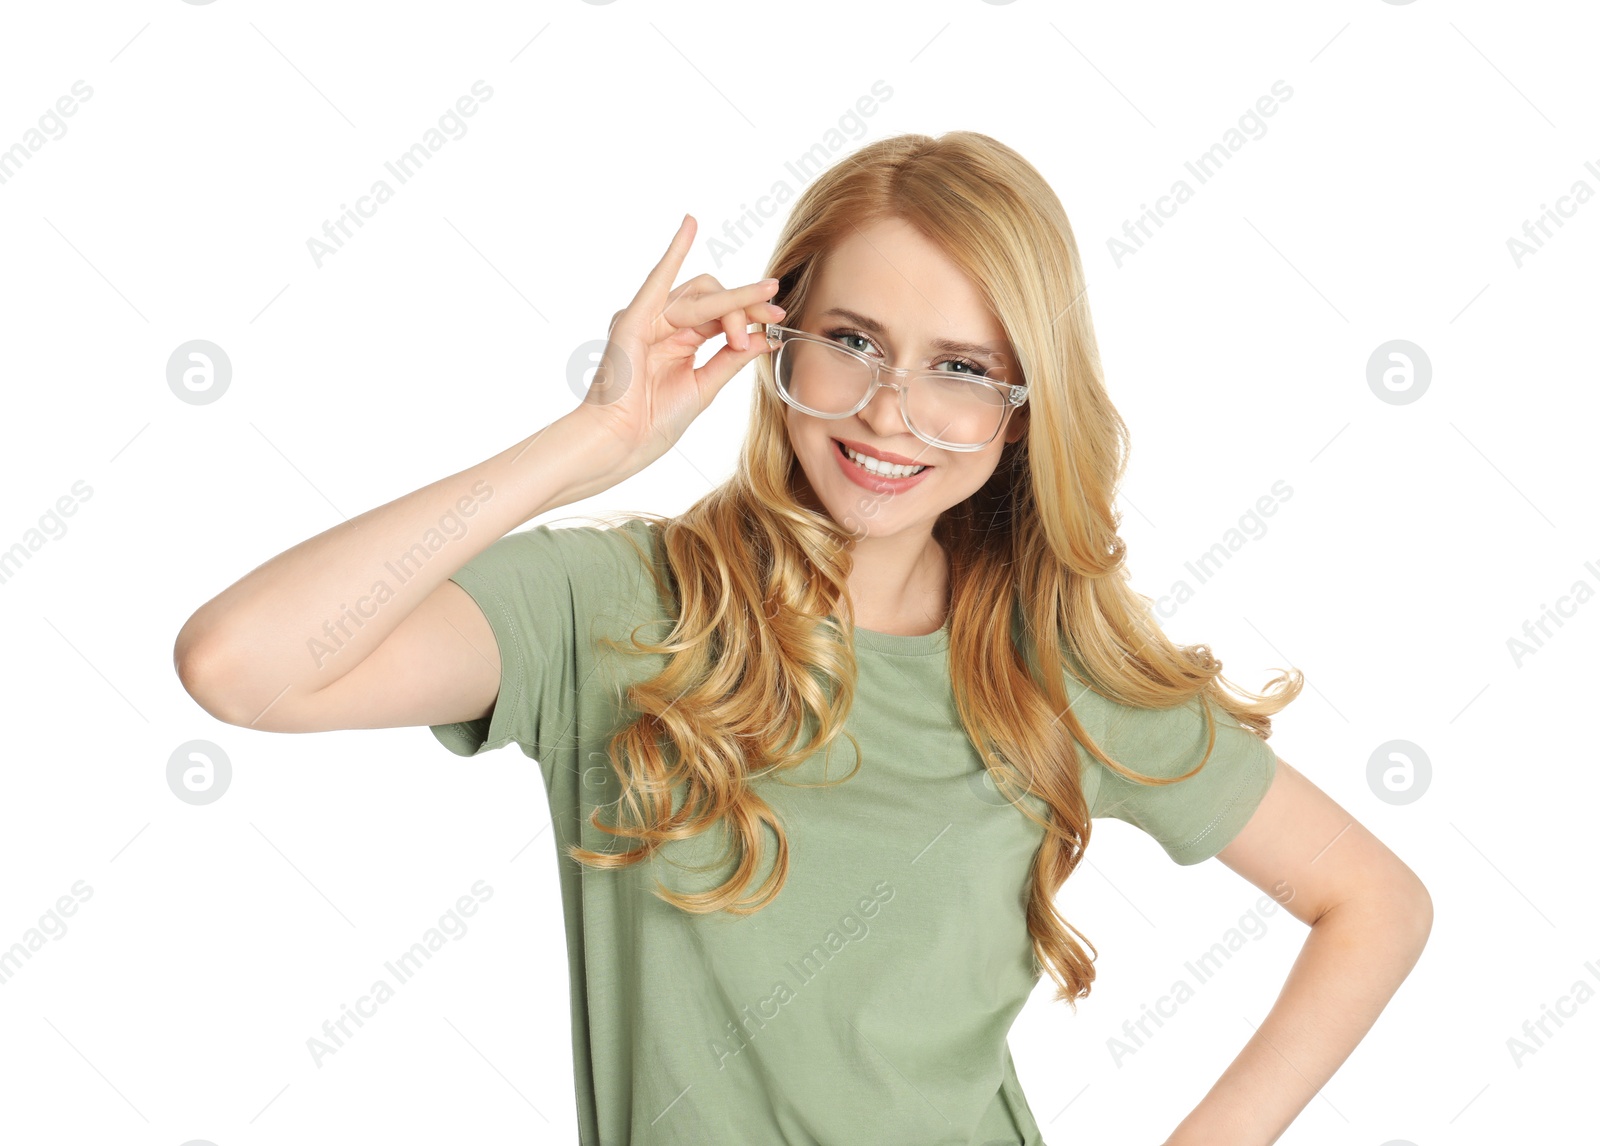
(759, 575)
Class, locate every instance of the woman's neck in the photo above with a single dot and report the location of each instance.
(899, 594)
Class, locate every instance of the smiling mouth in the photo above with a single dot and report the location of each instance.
(845, 454)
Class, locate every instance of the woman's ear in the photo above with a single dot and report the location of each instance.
(1017, 425)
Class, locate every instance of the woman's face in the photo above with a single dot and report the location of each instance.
(907, 293)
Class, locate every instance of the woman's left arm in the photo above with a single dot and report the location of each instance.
(1369, 915)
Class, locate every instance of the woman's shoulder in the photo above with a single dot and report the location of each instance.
(585, 565)
(617, 565)
(587, 545)
(1163, 735)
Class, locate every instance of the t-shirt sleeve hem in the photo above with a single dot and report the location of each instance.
(475, 737)
(1235, 813)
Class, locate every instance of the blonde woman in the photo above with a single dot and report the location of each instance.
(822, 749)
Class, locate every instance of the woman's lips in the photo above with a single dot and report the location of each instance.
(871, 481)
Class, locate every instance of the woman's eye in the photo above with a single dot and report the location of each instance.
(969, 368)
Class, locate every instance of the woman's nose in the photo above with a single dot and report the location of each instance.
(882, 412)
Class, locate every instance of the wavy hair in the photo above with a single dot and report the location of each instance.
(762, 645)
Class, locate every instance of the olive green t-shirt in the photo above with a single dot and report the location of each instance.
(871, 1000)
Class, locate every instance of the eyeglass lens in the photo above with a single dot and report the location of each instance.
(825, 379)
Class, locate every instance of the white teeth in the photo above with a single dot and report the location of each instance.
(882, 469)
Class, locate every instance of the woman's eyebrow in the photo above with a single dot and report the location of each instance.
(873, 326)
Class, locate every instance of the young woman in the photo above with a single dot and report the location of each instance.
(822, 749)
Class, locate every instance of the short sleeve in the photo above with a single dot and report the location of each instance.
(1193, 819)
(522, 585)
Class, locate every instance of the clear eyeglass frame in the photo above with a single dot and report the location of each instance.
(1015, 393)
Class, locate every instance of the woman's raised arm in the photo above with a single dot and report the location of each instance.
(360, 626)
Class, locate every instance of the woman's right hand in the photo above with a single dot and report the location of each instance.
(646, 390)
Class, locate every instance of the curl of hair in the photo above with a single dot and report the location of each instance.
(762, 649)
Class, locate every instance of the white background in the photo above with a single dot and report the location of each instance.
(1420, 537)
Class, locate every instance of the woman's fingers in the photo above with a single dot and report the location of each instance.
(699, 305)
(762, 312)
(694, 309)
(724, 364)
(653, 294)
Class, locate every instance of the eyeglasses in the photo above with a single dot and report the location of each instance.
(950, 411)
